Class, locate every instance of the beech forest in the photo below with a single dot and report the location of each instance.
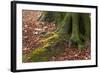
(55, 36)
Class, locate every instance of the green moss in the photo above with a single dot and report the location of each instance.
(50, 40)
(38, 55)
(25, 58)
(38, 51)
(39, 59)
(45, 53)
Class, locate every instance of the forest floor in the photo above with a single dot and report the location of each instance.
(33, 30)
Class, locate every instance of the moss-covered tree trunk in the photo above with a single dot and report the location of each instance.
(87, 28)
